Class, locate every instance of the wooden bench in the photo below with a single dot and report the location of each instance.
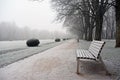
(93, 53)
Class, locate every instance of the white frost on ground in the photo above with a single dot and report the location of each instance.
(110, 55)
(58, 63)
(12, 51)
(8, 45)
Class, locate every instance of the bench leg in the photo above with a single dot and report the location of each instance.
(78, 66)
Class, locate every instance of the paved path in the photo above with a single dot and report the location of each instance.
(58, 63)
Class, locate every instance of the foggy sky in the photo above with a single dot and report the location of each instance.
(35, 15)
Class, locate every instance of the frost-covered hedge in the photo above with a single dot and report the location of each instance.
(32, 42)
(64, 39)
(57, 40)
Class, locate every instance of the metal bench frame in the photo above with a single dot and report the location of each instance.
(93, 53)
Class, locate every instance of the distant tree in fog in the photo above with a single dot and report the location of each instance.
(10, 31)
(109, 23)
(7, 31)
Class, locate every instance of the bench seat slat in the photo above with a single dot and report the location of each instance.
(84, 54)
(93, 51)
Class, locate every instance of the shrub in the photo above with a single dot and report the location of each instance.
(57, 40)
(32, 42)
(64, 39)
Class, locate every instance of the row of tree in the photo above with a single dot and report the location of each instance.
(90, 19)
(10, 31)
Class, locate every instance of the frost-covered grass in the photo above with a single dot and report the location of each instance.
(12, 51)
(109, 54)
(9, 45)
(112, 55)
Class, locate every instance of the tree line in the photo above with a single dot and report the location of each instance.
(10, 31)
(90, 19)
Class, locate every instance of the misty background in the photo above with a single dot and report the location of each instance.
(25, 19)
(10, 31)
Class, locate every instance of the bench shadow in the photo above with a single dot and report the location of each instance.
(91, 67)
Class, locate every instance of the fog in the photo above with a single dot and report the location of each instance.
(24, 19)
(10, 31)
(35, 15)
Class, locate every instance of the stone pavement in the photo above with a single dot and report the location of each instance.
(58, 63)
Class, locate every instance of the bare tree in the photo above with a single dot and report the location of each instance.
(117, 23)
(92, 10)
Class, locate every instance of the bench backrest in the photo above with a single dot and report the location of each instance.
(96, 47)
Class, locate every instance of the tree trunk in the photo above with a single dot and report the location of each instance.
(117, 33)
(98, 33)
(86, 34)
(86, 27)
(117, 23)
(81, 35)
(90, 34)
(98, 29)
(99, 22)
